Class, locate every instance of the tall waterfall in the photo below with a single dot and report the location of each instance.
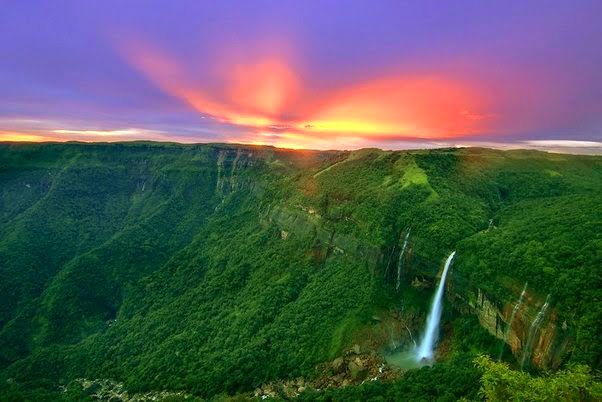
(400, 260)
(514, 311)
(425, 350)
(535, 325)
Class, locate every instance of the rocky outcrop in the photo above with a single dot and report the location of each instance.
(230, 167)
(111, 391)
(354, 367)
(305, 221)
(550, 341)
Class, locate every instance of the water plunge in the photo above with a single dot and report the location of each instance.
(533, 331)
(509, 325)
(400, 259)
(425, 350)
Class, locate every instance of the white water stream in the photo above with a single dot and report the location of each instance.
(426, 349)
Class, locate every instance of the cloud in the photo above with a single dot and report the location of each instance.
(25, 137)
(564, 143)
(266, 95)
(130, 132)
(84, 135)
(401, 106)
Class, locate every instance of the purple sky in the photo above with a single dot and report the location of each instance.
(319, 74)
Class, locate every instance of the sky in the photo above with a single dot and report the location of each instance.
(305, 74)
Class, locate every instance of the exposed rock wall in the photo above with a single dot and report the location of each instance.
(230, 169)
(550, 342)
(303, 221)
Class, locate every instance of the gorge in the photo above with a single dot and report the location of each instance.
(300, 260)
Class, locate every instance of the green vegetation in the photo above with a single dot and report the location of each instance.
(500, 383)
(458, 379)
(213, 269)
(448, 381)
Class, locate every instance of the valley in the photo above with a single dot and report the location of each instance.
(220, 271)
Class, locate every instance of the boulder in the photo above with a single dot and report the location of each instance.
(357, 371)
(337, 364)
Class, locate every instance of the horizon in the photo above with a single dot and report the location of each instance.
(412, 75)
(572, 150)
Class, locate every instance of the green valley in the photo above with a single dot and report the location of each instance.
(214, 271)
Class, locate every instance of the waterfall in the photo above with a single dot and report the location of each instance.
(389, 262)
(535, 325)
(514, 311)
(411, 336)
(426, 349)
(400, 260)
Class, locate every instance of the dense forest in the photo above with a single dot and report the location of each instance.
(208, 271)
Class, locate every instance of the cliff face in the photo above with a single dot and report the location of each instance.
(305, 221)
(542, 344)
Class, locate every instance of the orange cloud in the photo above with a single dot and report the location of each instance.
(263, 88)
(294, 140)
(267, 95)
(424, 107)
(25, 137)
(83, 135)
(254, 94)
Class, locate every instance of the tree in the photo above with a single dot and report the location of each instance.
(500, 383)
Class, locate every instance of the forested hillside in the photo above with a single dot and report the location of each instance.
(216, 269)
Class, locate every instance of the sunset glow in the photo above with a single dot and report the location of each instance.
(10, 136)
(268, 95)
(349, 77)
(414, 107)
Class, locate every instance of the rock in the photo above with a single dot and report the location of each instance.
(337, 364)
(549, 345)
(357, 371)
(356, 349)
(419, 284)
(300, 389)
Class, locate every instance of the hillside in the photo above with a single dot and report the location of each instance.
(216, 269)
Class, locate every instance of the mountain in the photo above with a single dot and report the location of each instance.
(217, 269)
